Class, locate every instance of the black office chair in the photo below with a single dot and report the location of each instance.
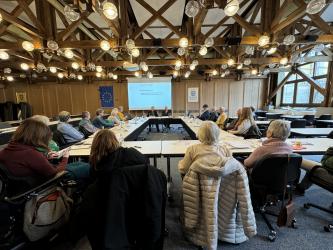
(85, 132)
(273, 116)
(260, 113)
(298, 123)
(253, 133)
(325, 117)
(272, 177)
(309, 119)
(60, 140)
(322, 124)
(324, 179)
(14, 193)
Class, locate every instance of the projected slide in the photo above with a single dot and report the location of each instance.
(144, 93)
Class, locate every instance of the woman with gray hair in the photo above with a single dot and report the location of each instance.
(208, 151)
(277, 133)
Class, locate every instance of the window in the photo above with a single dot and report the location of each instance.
(321, 68)
(303, 93)
(288, 93)
(306, 94)
(317, 97)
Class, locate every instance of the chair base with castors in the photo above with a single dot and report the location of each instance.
(329, 227)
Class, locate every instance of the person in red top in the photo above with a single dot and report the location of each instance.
(21, 157)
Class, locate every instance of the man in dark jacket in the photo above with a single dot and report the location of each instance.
(125, 207)
(153, 113)
(205, 115)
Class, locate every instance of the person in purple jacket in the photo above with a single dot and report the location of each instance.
(277, 133)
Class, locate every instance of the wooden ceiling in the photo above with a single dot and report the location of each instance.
(156, 27)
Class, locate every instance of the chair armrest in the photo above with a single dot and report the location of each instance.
(34, 191)
(308, 164)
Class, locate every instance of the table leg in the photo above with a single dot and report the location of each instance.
(155, 162)
(169, 179)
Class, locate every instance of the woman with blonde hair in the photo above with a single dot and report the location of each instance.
(208, 150)
(114, 116)
(244, 123)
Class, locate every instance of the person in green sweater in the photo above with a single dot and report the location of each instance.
(326, 162)
(52, 144)
(79, 170)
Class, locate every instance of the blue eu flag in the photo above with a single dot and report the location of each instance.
(106, 96)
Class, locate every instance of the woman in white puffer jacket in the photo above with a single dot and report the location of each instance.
(216, 197)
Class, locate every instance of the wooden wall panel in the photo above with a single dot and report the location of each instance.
(78, 98)
(64, 97)
(36, 98)
(50, 98)
(207, 93)
(179, 97)
(236, 92)
(92, 95)
(222, 93)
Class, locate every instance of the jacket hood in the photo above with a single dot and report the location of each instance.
(15, 146)
(209, 167)
(121, 157)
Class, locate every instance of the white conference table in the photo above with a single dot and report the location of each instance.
(310, 132)
(292, 117)
(177, 148)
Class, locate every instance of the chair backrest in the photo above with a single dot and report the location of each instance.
(298, 123)
(260, 113)
(273, 116)
(309, 119)
(325, 117)
(271, 171)
(59, 138)
(253, 133)
(11, 185)
(85, 132)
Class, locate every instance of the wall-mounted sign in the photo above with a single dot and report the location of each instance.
(193, 94)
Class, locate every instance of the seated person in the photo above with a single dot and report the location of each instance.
(213, 115)
(222, 118)
(277, 133)
(253, 112)
(244, 123)
(326, 162)
(70, 134)
(205, 113)
(121, 115)
(234, 122)
(86, 123)
(100, 122)
(114, 117)
(53, 146)
(22, 156)
(208, 151)
(166, 111)
(153, 113)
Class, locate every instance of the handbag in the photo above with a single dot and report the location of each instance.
(287, 212)
(46, 212)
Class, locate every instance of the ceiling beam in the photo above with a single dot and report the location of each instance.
(293, 17)
(251, 28)
(310, 81)
(160, 17)
(63, 35)
(164, 8)
(198, 20)
(282, 83)
(20, 24)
